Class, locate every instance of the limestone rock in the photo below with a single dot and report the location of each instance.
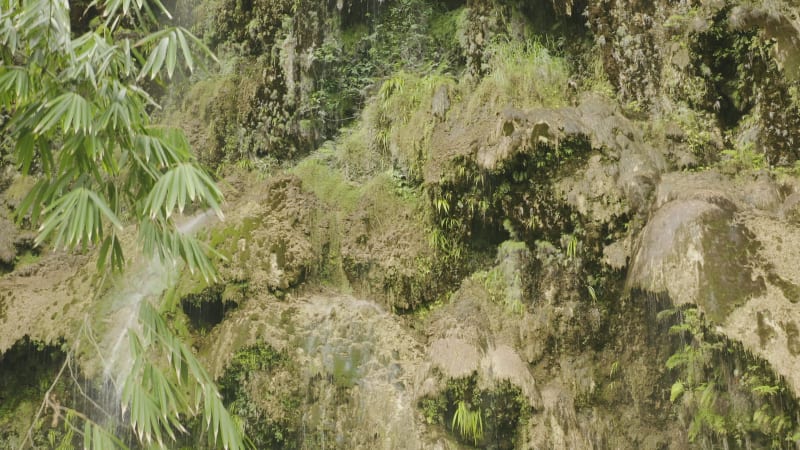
(693, 251)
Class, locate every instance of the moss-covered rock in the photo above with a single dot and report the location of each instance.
(261, 386)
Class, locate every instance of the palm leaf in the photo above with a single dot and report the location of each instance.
(76, 216)
(182, 184)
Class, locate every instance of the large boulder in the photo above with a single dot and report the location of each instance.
(730, 247)
(693, 251)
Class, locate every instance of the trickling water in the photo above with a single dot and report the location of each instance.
(124, 300)
(365, 393)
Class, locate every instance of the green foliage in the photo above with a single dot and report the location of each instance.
(407, 35)
(523, 74)
(249, 28)
(400, 38)
(433, 409)
(158, 399)
(78, 112)
(79, 116)
(242, 390)
(478, 416)
(401, 120)
(257, 357)
(572, 247)
(699, 138)
(28, 367)
(594, 77)
(504, 282)
(468, 422)
(743, 158)
(744, 81)
(515, 195)
(705, 388)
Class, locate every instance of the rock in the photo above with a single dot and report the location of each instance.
(456, 358)
(762, 193)
(790, 210)
(267, 236)
(8, 251)
(616, 254)
(440, 103)
(693, 251)
(709, 186)
(504, 363)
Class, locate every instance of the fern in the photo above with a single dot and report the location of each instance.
(677, 390)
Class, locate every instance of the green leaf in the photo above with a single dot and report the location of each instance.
(71, 109)
(80, 122)
(676, 391)
(75, 216)
(766, 391)
(182, 184)
(187, 54)
(15, 86)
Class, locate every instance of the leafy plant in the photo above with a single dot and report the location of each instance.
(468, 422)
(572, 247)
(163, 385)
(157, 401)
(78, 113)
(703, 388)
(744, 157)
(523, 74)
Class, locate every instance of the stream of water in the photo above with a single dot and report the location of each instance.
(148, 280)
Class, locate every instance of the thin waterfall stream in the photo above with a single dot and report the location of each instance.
(148, 281)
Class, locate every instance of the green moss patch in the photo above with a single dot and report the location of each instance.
(484, 418)
(260, 387)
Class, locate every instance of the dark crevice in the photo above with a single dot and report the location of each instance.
(207, 308)
(26, 371)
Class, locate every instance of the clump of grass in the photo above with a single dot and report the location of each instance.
(396, 127)
(524, 74)
(328, 184)
(595, 78)
(357, 156)
(468, 422)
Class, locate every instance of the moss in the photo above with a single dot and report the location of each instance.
(327, 184)
(403, 118)
(503, 409)
(27, 258)
(226, 242)
(371, 233)
(523, 75)
(27, 370)
(274, 422)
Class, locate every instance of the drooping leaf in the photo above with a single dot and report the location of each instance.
(676, 391)
(76, 217)
(182, 184)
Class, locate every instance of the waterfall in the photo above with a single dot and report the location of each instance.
(146, 281)
(355, 346)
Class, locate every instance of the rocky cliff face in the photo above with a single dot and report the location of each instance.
(484, 224)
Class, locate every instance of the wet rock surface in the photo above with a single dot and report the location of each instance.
(607, 265)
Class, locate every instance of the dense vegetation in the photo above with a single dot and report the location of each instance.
(517, 189)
